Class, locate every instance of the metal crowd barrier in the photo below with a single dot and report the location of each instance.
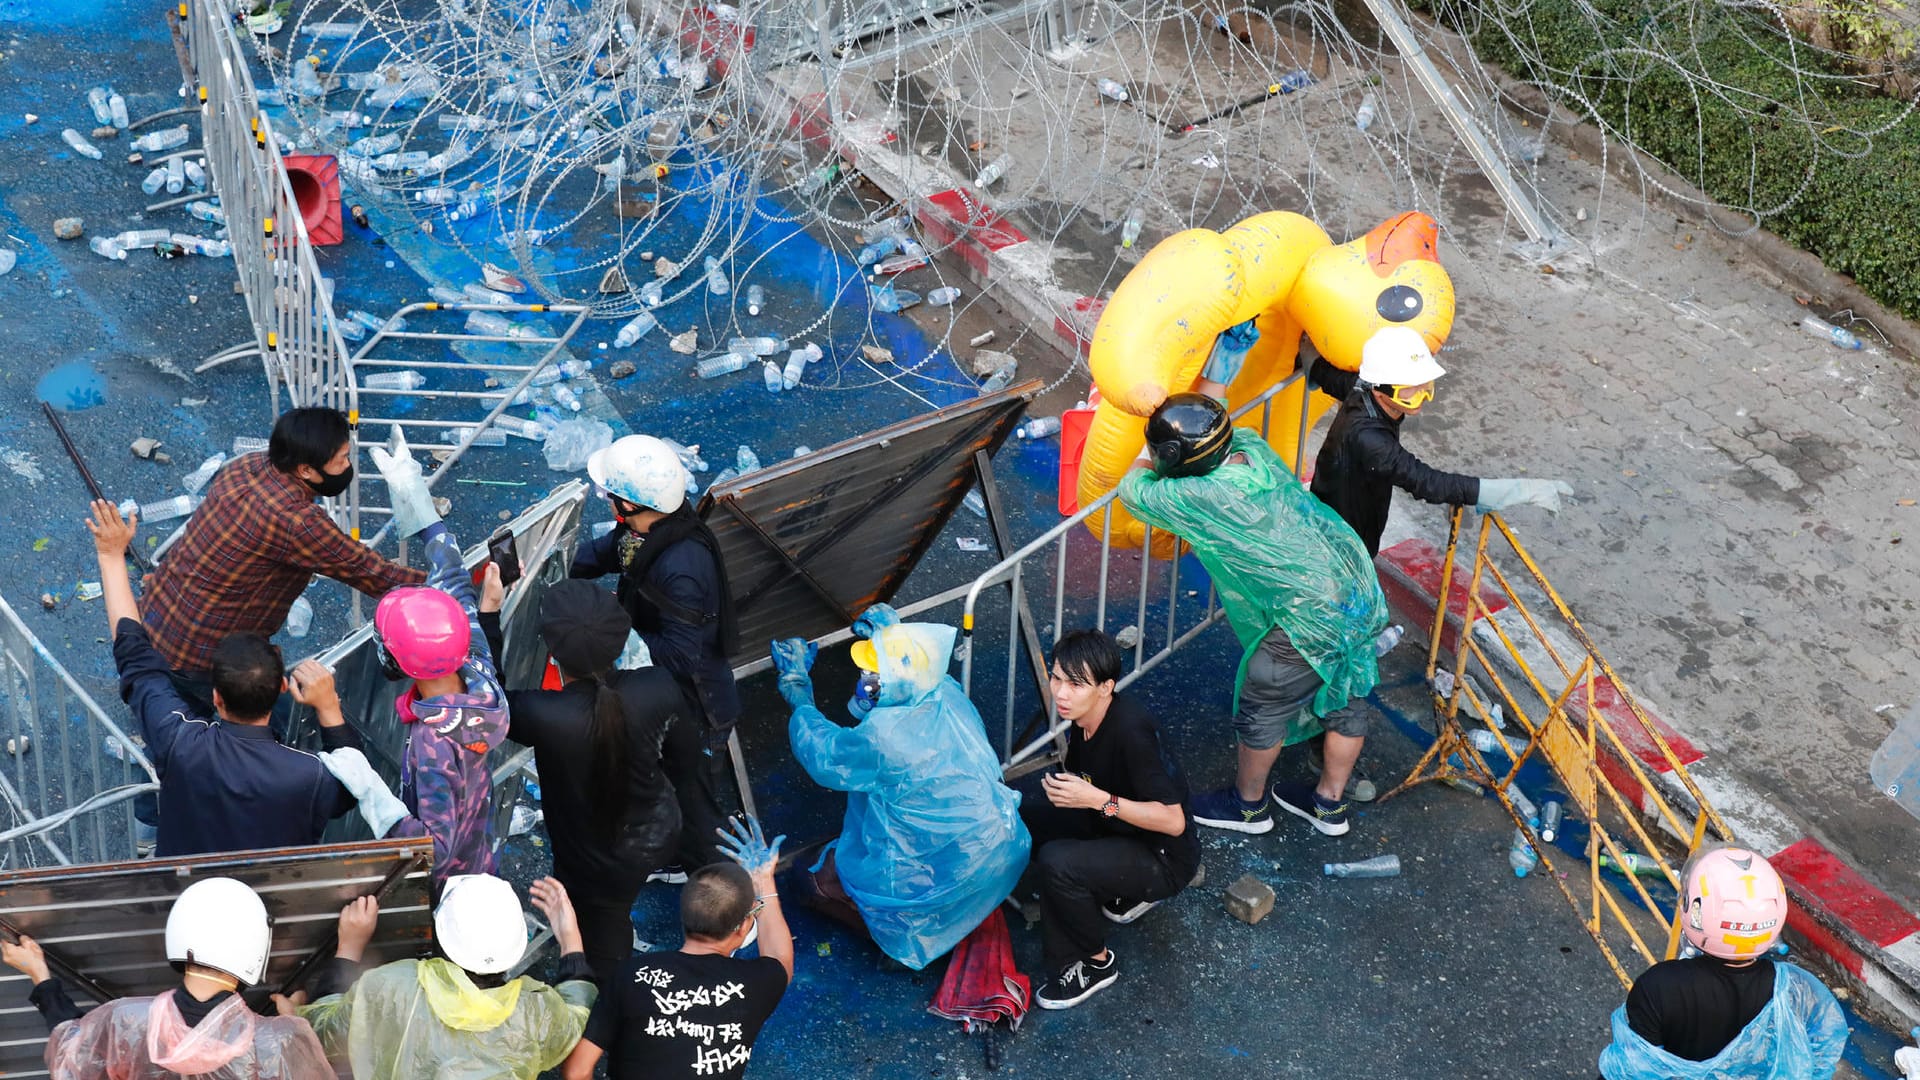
(1556, 698)
(67, 768)
(1079, 584)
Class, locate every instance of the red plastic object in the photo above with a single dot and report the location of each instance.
(1074, 424)
(315, 180)
(715, 39)
(550, 679)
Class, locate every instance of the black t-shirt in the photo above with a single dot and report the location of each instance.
(1125, 757)
(1693, 1008)
(676, 1014)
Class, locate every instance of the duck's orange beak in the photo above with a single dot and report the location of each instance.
(1402, 238)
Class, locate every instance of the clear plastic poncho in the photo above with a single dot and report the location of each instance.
(147, 1039)
(1278, 557)
(932, 841)
(1800, 1035)
(426, 1020)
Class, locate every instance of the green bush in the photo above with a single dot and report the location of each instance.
(1734, 104)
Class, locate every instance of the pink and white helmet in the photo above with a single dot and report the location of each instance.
(423, 631)
(1736, 906)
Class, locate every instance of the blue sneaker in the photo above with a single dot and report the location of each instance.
(1302, 801)
(1224, 809)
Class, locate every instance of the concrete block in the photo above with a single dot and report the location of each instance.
(1249, 899)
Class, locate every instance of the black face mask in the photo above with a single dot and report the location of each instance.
(331, 484)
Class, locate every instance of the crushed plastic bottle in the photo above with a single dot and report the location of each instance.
(1130, 229)
(745, 460)
(635, 329)
(80, 144)
(168, 509)
(1039, 427)
(203, 474)
(1839, 336)
(756, 299)
(117, 108)
(724, 364)
(1363, 117)
(248, 444)
(97, 101)
(890, 300)
(1550, 820)
(796, 367)
(881, 247)
(394, 380)
(1520, 853)
(942, 296)
(1388, 638)
(299, 618)
(1113, 89)
(1377, 867)
(995, 169)
(107, 247)
(762, 345)
(165, 139)
(717, 282)
(770, 374)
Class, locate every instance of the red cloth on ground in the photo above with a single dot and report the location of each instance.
(982, 984)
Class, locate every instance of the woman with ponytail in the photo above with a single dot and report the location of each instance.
(610, 811)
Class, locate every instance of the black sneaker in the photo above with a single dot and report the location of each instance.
(672, 875)
(1360, 786)
(1304, 802)
(1223, 809)
(1078, 981)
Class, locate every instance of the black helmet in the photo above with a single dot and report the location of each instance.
(1188, 435)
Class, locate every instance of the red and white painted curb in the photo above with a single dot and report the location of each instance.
(1836, 913)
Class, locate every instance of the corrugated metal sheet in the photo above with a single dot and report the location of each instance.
(108, 921)
(810, 542)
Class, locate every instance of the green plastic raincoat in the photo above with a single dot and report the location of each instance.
(425, 1020)
(1280, 558)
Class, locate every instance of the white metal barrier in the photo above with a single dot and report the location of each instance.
(68, 771)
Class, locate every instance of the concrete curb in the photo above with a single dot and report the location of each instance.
(1859, 933)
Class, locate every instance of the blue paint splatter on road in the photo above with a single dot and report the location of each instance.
(72, 387)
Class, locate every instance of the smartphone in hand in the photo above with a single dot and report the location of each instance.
(500, 550)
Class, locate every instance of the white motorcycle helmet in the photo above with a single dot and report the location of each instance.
(479, 924)
(643, 471)
(221, 924)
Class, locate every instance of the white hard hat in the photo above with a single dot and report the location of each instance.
(1398, 356)
(479, 924)
(642, 470)
(221, 924)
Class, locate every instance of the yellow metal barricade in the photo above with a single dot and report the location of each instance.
(1547, 677)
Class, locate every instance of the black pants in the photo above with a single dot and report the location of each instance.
(684, 758)
(1077, 870)
(606, 926)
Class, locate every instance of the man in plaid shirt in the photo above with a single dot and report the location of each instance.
(254, 544)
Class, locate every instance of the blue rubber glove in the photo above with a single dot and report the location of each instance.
(744, 843)
(877, 617)
(793, 659)
(1230, 353)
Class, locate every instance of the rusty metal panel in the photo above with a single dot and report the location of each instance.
(103, 926)
(811, 541)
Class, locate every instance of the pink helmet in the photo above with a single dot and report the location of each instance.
(1735, 904)
(423, 631)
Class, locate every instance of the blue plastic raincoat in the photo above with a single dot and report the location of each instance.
(1800, 1035)
(933, 841)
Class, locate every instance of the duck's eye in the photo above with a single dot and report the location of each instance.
(1399, 303)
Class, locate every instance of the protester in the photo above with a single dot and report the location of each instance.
(1113, 837)
(696, 1012)
(218, 937)
(454, 1014)
(673, 585)
(1733, 1011)
(226, 784)
(1298, 589)
(933, 840)
(454, 708)
(610, 812)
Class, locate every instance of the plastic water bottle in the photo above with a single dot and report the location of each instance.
(493, 324)
(745, 460)
(479, 294)
(653, 293)
(80, 144)
(1039, 427)
(168, 509)
(1388, 638)
(881, 247)
(564, 396)
(437, 196)
(1484, 741)
(142, 238)
(565, 369)
(202, 475)
(762, 345)
(155, 180)
(724, 364)
(196, 173)
(942, 296)
(299, 618)
(394, 380)
(1839, 336)
(1634, 863)
(1293, 80)
(202, 210)
(999, 380)
(117, 108)
(717, 282)
(995, 169)
(797, 361)
(444, 295)
(1523, 804)
(890, 300)
(1130, 228)
(176, 176)
(756, 299)
(770, 374)
(635, 329)
(97, 101)
(1363, 117)
(1550, 820)
(107, 247)
(248, 444)
(1520, 854)
(1378, 866)
(374, 322)
(164, 139)
(524, 428)
(1112, 89)
(488, 436)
